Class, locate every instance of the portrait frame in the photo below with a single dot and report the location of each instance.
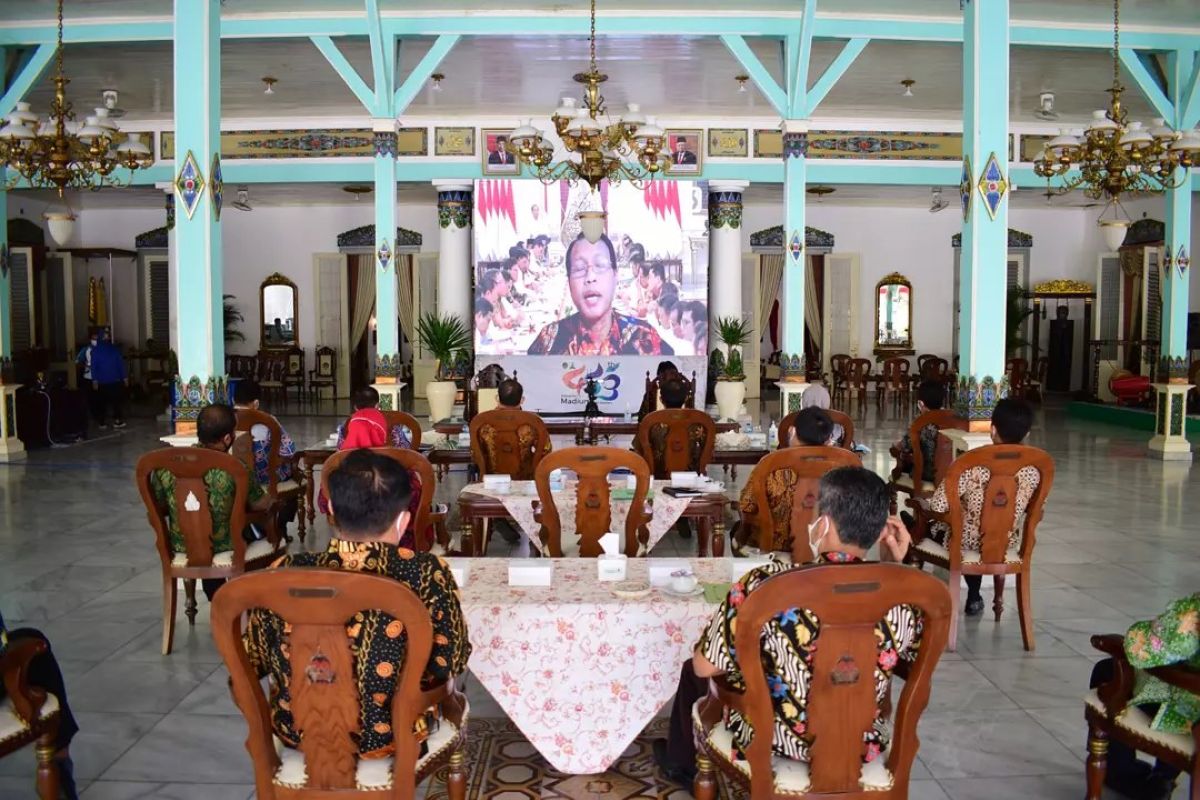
(453, 141)
(693, 137)
(488, 141)
(727, 142)
(768, 143)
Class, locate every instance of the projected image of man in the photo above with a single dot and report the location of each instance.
(595, 328)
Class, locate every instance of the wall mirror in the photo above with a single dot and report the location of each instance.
(893, 316)
(279, 308)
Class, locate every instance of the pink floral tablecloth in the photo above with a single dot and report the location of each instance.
(578, 670)
(518, 502)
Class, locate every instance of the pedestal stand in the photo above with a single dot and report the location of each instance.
(1170, 441)
(11, 448)
(789, 396)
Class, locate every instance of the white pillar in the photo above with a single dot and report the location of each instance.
(725, 254)
(454, 295)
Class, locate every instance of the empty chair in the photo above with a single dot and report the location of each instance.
(593, 509)
(508, 441)
(676, 440)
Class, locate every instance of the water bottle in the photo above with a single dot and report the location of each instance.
(628, 412)
(772, 435)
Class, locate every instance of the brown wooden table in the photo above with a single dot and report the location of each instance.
(707, 509)
(601, 426)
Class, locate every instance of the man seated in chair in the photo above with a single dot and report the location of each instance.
(370, 497)
(248, 395)
(930, 397)
(813, 427)
(1011, 421)
(1171, 638)
(216, 429)
(367, 427)
(853, 516)
(510, 393)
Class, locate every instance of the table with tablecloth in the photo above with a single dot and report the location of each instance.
(578, 670)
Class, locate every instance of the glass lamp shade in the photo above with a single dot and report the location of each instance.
(1136, 137)
(1189, 142)
(15, 130)
(592, 223)
(103, 120)
(1101, 122)
(1113, 231)
(525, 136)
(91, 130)
(1061, 142)
(587, 125)
(567, 109)
(634, 115)
(1159, 129)
(59, 224)
(134, 145)
(23, 113)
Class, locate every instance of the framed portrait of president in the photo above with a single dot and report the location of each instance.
(683, 146)
(497, 158)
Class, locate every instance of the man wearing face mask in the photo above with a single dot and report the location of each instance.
(853, 505)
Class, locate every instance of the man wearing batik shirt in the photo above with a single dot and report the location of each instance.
(930, 397)
(595, 329)
(369, 498)
(1011, 421)
(853, 515)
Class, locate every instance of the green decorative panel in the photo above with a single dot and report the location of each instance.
(1161, 423)
(196, 394)
(1176, 415)
(976, 397)
(10, 414)
(385, 402)
(794, 402)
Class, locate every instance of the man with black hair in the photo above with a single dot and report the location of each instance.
(248, 395)
(483, 318)
(367, 426)
(930, 397)
(510, 393)
(813, 427)
(852, 506)
(673, 391)
(656, 278)
(1011, 421)
(369, 497)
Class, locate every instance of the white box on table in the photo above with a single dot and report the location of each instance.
(684, 480)
(611, 567)
(530, 572)
(460, 568)
(661, 569)
(497, 482)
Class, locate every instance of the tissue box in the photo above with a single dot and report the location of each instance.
(460, 568)
(611, 567)
(684, 480)
(661, 569)
(740, 566)
(499, 483)
(530, 572)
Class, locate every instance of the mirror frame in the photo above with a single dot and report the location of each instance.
(275, 279)
(884, 351)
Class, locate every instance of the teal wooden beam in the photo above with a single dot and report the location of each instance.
(798, 107)
(381, 45)
(834, 72)
(345, 71)
(758, 73)
(29, 74)
(1185, 73)
(1146, 82)
(791, 65)
(425, 67)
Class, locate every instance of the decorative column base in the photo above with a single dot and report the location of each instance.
(789, 396)
(389, 394)
(961, 441)
(11, 448)
(975, 399)
(1170, 440)
(189, 399)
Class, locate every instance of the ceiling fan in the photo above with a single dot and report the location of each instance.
(1050, 195)
(243, 200)
(110, 102)
(938, 202)
(1046, 107)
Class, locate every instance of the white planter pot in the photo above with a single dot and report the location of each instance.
(730, 395)
(441, 399)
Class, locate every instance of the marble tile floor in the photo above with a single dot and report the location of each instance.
(77, 560)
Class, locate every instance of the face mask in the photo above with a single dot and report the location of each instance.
(814, 542)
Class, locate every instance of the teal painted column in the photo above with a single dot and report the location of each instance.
(387, 350)
(5, 279)
(984, 195)
(1169, 441)
(795, 178)
(199, 189)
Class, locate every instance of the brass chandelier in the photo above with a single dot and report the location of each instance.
(49, 155)
(1116, 157)
(604, 150)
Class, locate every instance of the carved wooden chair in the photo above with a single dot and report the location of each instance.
(651, 401)
(401, 419)
(1017, 372)
(508, 441)
(857, 377)
(849, 600)
(428, 513)
(1035, 387)
(281, 491)
(29, 714)
(896, 381)
(913, 484)
(999, 517)
(194, 518)
(293, 373)
(837, 374)
(323, 374)
(593, 513)
(937, 370)
(272, 368)
(316, 603)
(1110, 716)
(780, 498)
(839, 418)
(480, 394)
(676, 440)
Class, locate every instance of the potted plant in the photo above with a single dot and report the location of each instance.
(233, 315)
(445, 338)
(733, 332)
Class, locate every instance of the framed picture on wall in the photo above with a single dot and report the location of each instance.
(497, 160)
(454, 142)
(730, 142)
(684, 147)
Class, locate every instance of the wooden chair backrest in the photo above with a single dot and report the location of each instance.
(317, 603)
(412, 461)
(934, 369)
(839, 418)
(189, 465)
(593, 513)
(896, 372)
(1040, 366)
(942, 418)
(1194, 373)
(999, 514)
(837, 364)
(782, 489)
(400, 419)
(326, 362)
(650, 396)
(676, 440)
(849, 600)
(1017, 370)
(857, 372)
(508, 441)
(295, 362)
(922, 360)
(247, 418)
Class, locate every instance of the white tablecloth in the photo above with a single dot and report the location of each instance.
(518, 502)
(578, 670)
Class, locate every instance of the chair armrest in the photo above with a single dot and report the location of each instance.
(1112, 644)
(1179, 676)
(15, 661)
(1116, 693)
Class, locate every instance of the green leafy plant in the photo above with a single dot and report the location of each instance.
(1017, 310)
(445, 337)
(233, 316)
(734, 333)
